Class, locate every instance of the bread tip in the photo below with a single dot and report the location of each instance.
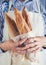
(5, 14)
(16, 11)
(25, 8)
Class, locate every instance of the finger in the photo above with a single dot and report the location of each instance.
(37, 50)
(32, 49)
(13, 49)
(36, 38)
(31, 45)
(21, 52)
(30, 40)
(27, 46)
(20, 42)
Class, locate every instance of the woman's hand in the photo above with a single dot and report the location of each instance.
(11, 45)
(34, 44)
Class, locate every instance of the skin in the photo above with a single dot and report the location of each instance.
(33, 44)
(36, 43)
(11, 45)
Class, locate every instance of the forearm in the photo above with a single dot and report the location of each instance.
(3, 46)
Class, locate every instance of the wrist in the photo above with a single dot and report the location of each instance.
(3, 46)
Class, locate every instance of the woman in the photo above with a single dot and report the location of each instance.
(19, 4)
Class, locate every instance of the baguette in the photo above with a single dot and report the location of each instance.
(11, 26)
(20, 22)
(26, 17)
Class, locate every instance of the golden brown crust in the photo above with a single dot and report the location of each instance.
(11, 26)
(26, 17)
(20, 22)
